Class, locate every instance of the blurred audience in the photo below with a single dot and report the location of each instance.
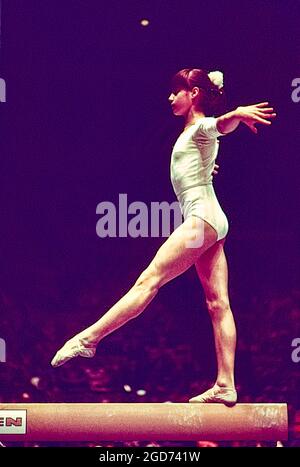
(151, 359)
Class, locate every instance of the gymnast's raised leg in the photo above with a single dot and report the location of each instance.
(180, 251)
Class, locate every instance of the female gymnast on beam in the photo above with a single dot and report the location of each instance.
(196, 96)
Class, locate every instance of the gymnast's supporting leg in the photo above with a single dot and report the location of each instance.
(213, 274)
(173, 258)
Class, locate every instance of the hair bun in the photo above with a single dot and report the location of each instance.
(216, 78)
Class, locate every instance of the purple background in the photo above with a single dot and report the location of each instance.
(87, 118)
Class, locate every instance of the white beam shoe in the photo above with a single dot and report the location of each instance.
(217, 394)
(75, 347)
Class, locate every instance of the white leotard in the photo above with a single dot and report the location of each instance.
(192, 162)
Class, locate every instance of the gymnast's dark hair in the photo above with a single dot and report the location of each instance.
(213, 101)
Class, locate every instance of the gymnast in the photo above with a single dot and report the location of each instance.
(196, 95)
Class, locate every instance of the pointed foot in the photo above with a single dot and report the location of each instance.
(75, 347)
(217, 394)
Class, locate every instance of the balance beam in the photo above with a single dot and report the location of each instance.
(142, 421)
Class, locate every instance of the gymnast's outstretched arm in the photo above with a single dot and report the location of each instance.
(250, 115)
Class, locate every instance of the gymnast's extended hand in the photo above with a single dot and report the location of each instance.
(250, 115)
(257, 113)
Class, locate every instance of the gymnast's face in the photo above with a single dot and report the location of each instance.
(181, 101)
